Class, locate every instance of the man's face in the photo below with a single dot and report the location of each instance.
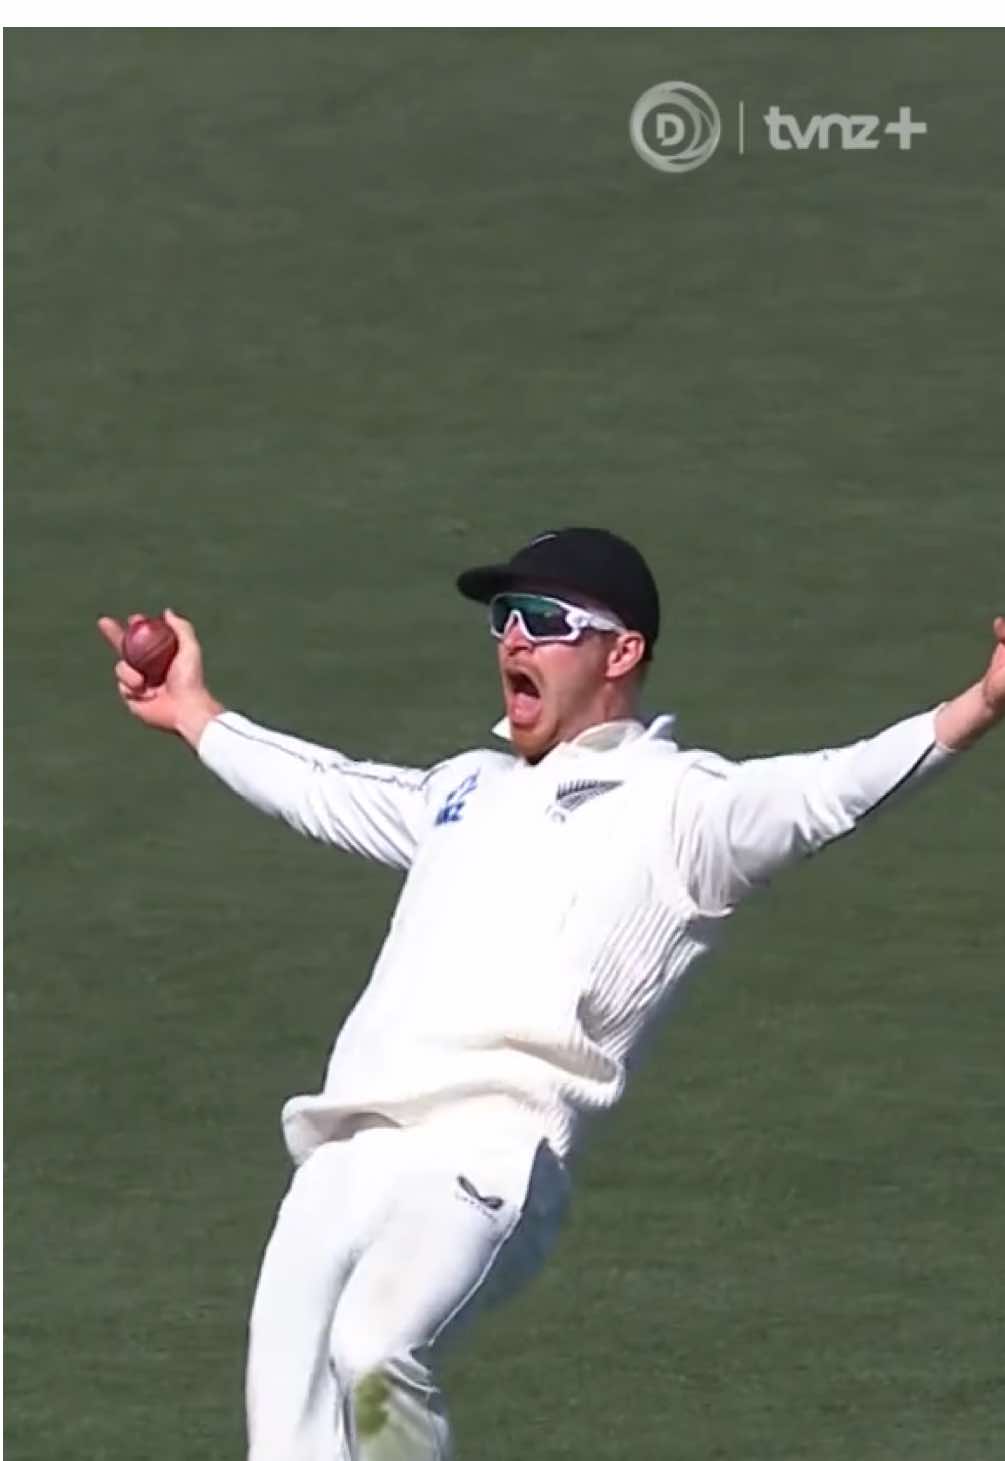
(553, 691)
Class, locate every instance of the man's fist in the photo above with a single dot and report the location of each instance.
(994, 681)
(962, 721)
(181, 704)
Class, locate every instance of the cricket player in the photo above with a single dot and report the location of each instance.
(555, 895)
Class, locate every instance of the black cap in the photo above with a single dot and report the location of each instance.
(588, 561)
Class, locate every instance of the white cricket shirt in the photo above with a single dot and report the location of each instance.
(549, 912)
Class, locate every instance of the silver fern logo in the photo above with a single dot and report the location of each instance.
(675, 126)
(574, 794)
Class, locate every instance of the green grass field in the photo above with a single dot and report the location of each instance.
(299, 323)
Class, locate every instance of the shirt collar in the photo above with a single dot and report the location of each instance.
(610, 734)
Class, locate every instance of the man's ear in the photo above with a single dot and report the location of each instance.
(626, 653)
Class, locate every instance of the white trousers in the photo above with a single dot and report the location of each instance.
(384, 1244)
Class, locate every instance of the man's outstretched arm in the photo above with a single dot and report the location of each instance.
(373, 809)
(736, 825)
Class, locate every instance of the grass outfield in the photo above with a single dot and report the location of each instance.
(298, 324)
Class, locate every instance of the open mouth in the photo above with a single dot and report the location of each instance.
(523, 697)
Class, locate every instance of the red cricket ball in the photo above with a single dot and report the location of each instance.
(149, 645)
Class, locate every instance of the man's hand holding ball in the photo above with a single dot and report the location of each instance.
(159, 673)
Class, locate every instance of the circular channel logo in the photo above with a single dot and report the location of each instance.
(675, 126)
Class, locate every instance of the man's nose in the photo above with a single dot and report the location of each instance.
(514, 636)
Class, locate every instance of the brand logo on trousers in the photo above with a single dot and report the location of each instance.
(468, 1187)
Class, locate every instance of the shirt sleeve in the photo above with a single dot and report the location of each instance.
(736, 824)
(375, 810)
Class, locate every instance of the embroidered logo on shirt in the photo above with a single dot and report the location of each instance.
(454, 805)
(572, 794)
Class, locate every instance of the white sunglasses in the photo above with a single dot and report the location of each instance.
(545, 620)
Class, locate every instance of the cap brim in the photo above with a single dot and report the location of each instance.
(482, 584)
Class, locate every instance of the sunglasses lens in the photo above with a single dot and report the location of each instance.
(499, 612)
(543, 618)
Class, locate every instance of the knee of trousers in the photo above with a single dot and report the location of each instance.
(358, 1354)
